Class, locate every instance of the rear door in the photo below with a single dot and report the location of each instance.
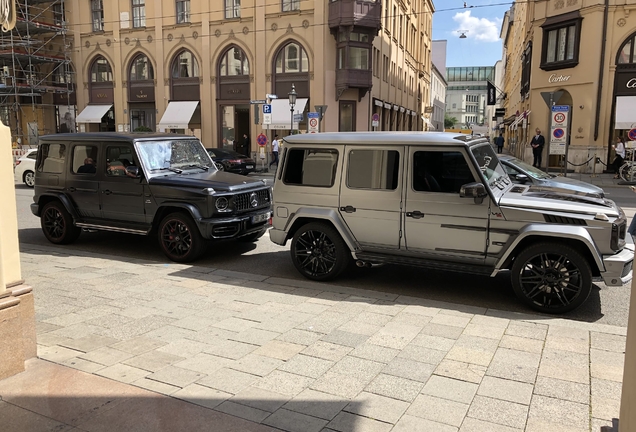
(82, 184)
(122, 196)
(371, 195)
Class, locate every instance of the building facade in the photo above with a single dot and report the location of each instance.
(438, 99)
(466, 94)
(195, 67)
(595, 76)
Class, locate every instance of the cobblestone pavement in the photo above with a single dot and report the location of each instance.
(304, 356)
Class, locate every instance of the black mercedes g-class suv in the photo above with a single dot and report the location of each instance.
(144, 183)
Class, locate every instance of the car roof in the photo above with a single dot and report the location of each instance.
(385, 138)
(113, 136)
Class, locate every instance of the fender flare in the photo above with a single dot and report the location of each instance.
(577, 233)
(327, 215)
(191, 208)
(66, 202)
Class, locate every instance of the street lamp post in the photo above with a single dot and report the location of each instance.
(292, 102)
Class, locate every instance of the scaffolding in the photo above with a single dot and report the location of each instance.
(36, 76)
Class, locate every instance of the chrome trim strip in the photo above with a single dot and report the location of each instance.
(109, 228)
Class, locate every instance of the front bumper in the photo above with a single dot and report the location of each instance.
(618, 267)
(232, 227)
(35, 209)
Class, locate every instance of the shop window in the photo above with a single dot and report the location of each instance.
(526, 64)
(185, 66)
(561, 38)
(291, 5)
(141, 69)
(183, 11)
(232, 9)
(292, 59)
(347, 116)
(97, 14)
(626, 53)
(139, 13)
(234, 62)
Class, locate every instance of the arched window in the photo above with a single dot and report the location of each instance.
(185, 65)
(292, 59)
(234, 62)
(626, 54)
(101, 71)
(141, 69)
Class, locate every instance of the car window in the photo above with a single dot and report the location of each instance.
(117, 159)
(84, 159)
(373, 169)
(510, 170)
(52, 158)
(311, 167)
(440, 171)
(531, 171)
(32, 155)
(173, 155)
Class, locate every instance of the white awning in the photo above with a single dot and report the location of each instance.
(625, 112)
(281, 114)
(178, 115)
(93, 113)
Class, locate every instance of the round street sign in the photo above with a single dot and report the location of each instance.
(261, 140)
(376, 117)
(558, 133)
(559, 117)
(632, 135)
(313, 122)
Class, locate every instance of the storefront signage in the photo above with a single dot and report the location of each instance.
(554, 78)
(631, 83)
(102, 95)
(625, 83)
(141, 94)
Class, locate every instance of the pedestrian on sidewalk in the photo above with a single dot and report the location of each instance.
(274, 152)
(619, 149)
(499, 141)
(537, 143)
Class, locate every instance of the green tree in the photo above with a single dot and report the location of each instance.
(449, 122)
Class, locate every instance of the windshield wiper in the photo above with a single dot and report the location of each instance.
(174, 170)
(203, 167)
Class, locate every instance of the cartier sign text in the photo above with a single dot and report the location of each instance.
(631, 83)
(554, 78)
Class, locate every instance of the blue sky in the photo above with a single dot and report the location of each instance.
(482, 46)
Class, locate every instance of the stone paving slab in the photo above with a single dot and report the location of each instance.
(300, 355)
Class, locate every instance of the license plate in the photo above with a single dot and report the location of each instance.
(260, 218)
(249, 166)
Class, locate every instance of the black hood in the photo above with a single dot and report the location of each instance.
(218, 180)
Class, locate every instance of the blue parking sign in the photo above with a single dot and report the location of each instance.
(267, 109)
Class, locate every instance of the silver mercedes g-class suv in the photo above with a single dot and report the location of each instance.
(441, 201)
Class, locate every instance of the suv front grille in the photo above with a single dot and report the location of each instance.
(627, 268)
(243, 202)
(564, 220)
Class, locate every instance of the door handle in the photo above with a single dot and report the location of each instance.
(348, 209)
(415, 215)
(72, 189)
(107, 192)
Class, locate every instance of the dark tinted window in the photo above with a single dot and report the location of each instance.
(444, 172)
(32, 155)
(52, 158)
(117, 159)
(84, 159)
(309, 167)
(373, 169)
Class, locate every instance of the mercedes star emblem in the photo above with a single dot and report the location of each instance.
(254, 199)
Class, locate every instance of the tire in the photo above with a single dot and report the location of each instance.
(179, 238)
(219, 166)
(626, 170)
(318, 252)
(551, 278)
(252, 237)
(29, 178)
(57, 224)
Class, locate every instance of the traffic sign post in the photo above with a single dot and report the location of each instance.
(375, 120)
(559, 131)
(267, 114)
(313, 120)
(261, 140)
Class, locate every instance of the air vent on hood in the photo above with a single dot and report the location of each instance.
(518, 189)
(564, 220)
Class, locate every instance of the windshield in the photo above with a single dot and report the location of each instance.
(488, 163)
(173, 155)
(530, 170)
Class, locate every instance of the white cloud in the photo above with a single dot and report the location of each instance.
(481, 29)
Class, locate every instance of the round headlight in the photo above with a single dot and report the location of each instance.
(222, 203)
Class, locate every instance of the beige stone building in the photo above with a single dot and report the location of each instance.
(583, 49)
(194, 67)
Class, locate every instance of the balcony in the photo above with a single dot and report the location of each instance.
(353, 78)
(359, 13)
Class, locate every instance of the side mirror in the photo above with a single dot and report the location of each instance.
(473, 190)
(521, 178)
(133, 171)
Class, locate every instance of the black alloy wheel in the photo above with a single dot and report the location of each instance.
(552, 278)
(318, 251)
(219, 166)
(57, 224)
(180, 239)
